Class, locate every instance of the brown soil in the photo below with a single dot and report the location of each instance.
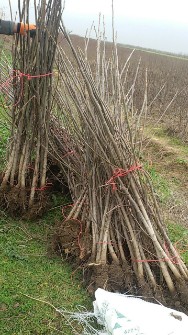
(113, 277)
(15, 200)
(71, 241)
(70, 238)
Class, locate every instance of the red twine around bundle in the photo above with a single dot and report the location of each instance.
(18, 74)
(121, 173)
(174, 260)
(29, 76)
(45, 187)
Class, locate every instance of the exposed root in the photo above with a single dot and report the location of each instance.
(112, 276)
(15, 201)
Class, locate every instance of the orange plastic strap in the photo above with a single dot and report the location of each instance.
(26, 27)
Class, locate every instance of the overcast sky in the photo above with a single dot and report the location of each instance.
(157, 24)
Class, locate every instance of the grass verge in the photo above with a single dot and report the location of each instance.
(26, 269)
(177, 233)
(161, 185)
(4, 134)
(169, 140)
(179, 237)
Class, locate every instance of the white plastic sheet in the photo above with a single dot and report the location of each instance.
(121, 314)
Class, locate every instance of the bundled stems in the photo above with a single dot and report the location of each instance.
(124, 218)
(33, 60)
(95, 137)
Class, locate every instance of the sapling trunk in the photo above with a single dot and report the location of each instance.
(124, 219)
(33, 60)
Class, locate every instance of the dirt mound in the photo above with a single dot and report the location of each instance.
(15, 200)
(72, 240)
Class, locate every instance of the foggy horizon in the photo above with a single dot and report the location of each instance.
(157, 25)
(143, 34)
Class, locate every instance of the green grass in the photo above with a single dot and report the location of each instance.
(179, 234)
(26, 269)
(3, 143)
(161, 185)
(164, 190)
(170, 140)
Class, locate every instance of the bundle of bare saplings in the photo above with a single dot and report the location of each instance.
(25, 177)
(113, 227)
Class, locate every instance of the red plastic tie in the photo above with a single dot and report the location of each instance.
(29, 76)
(174, 259)
(44, 188)
(121, 173)
(20, 75)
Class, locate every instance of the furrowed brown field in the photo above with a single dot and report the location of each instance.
(166, 84)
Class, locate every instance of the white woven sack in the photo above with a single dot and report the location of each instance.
(121, 314)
